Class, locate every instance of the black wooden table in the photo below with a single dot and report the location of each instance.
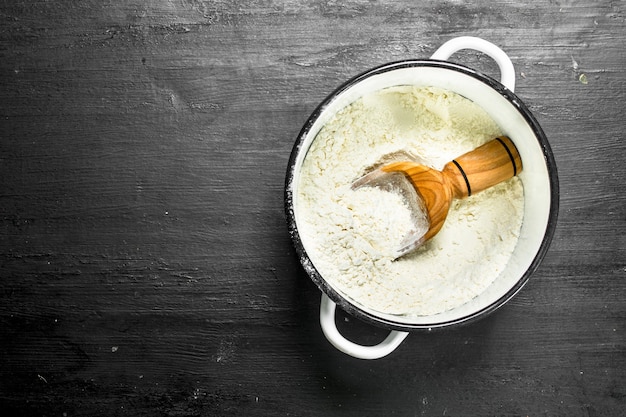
(145, 264)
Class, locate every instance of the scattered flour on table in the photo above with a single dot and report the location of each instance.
(350, 235)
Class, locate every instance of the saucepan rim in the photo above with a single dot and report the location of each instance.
(385, 322)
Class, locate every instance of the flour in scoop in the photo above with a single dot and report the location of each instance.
(350, 235)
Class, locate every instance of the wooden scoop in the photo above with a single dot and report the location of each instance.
(484, 167)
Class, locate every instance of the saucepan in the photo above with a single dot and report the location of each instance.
(539, 179)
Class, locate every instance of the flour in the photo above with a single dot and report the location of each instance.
(350, 235)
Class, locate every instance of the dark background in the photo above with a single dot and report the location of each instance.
(146, 268)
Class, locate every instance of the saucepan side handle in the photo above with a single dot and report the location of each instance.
(327, 320)
(507, 72)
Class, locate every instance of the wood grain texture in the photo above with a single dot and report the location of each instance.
(145, 265)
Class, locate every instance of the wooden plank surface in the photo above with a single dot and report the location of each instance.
(145, 264)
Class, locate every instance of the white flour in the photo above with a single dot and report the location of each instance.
(350, 235)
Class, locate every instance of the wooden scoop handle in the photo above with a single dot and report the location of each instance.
(489, 164)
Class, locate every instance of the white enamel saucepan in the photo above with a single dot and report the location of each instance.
(539, 179)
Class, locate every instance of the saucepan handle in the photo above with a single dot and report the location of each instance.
(327, 320)
(507, 72)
